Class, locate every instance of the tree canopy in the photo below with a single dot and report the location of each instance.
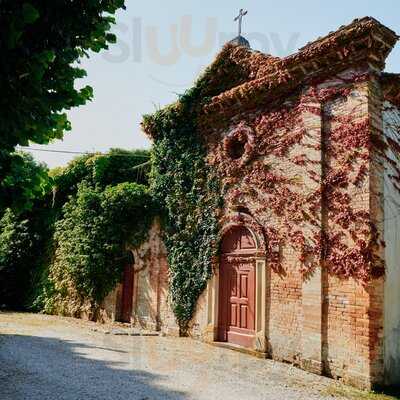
(41, 43)
(26, 182)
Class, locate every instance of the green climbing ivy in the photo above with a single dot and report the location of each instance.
(189, 190)
(90, 244)
(75, 236)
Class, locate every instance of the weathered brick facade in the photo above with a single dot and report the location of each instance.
(298, 153)
(150, 307)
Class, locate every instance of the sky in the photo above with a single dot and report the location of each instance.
(163, 46)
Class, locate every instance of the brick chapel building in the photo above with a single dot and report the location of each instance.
(307, 150)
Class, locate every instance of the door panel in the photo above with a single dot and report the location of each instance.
(247, 241)
(243, 317)
(233, 314)
(243, 285)
(234, 288)
(237, 290)
(127, 293)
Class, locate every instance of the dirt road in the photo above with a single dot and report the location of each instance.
(43, 357)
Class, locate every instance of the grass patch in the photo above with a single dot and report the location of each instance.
(351, 393)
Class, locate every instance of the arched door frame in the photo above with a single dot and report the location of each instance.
(211, 334)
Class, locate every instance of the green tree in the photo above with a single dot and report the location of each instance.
(99, 170)
(41, 43)
(26, 182)
(15, 246)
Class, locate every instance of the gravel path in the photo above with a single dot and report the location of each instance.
(43, 357)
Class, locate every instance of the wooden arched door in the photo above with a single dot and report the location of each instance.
(127, 289)
(237, 280)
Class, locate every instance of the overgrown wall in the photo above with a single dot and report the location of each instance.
(151, 308)
(307, 176)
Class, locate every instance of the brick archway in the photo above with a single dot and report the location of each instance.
(240, 219)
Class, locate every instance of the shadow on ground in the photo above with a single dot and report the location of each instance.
(40, 368)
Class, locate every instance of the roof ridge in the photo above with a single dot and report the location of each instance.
(343, 28)
(365, 40)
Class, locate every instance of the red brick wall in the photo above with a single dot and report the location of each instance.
(284, 316)
(320, 321)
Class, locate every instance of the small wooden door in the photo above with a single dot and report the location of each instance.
(127, 292)
(237, 288)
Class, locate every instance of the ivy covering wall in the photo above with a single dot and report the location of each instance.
(189, 192)
(68, 251)
(187, 186)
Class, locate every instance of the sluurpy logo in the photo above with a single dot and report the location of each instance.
(138, 41)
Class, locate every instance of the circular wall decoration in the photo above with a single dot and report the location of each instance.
(239, 144)
(236, 148)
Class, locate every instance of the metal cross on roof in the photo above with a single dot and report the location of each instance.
(239, 18)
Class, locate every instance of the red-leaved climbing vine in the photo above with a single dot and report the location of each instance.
(308, 172)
